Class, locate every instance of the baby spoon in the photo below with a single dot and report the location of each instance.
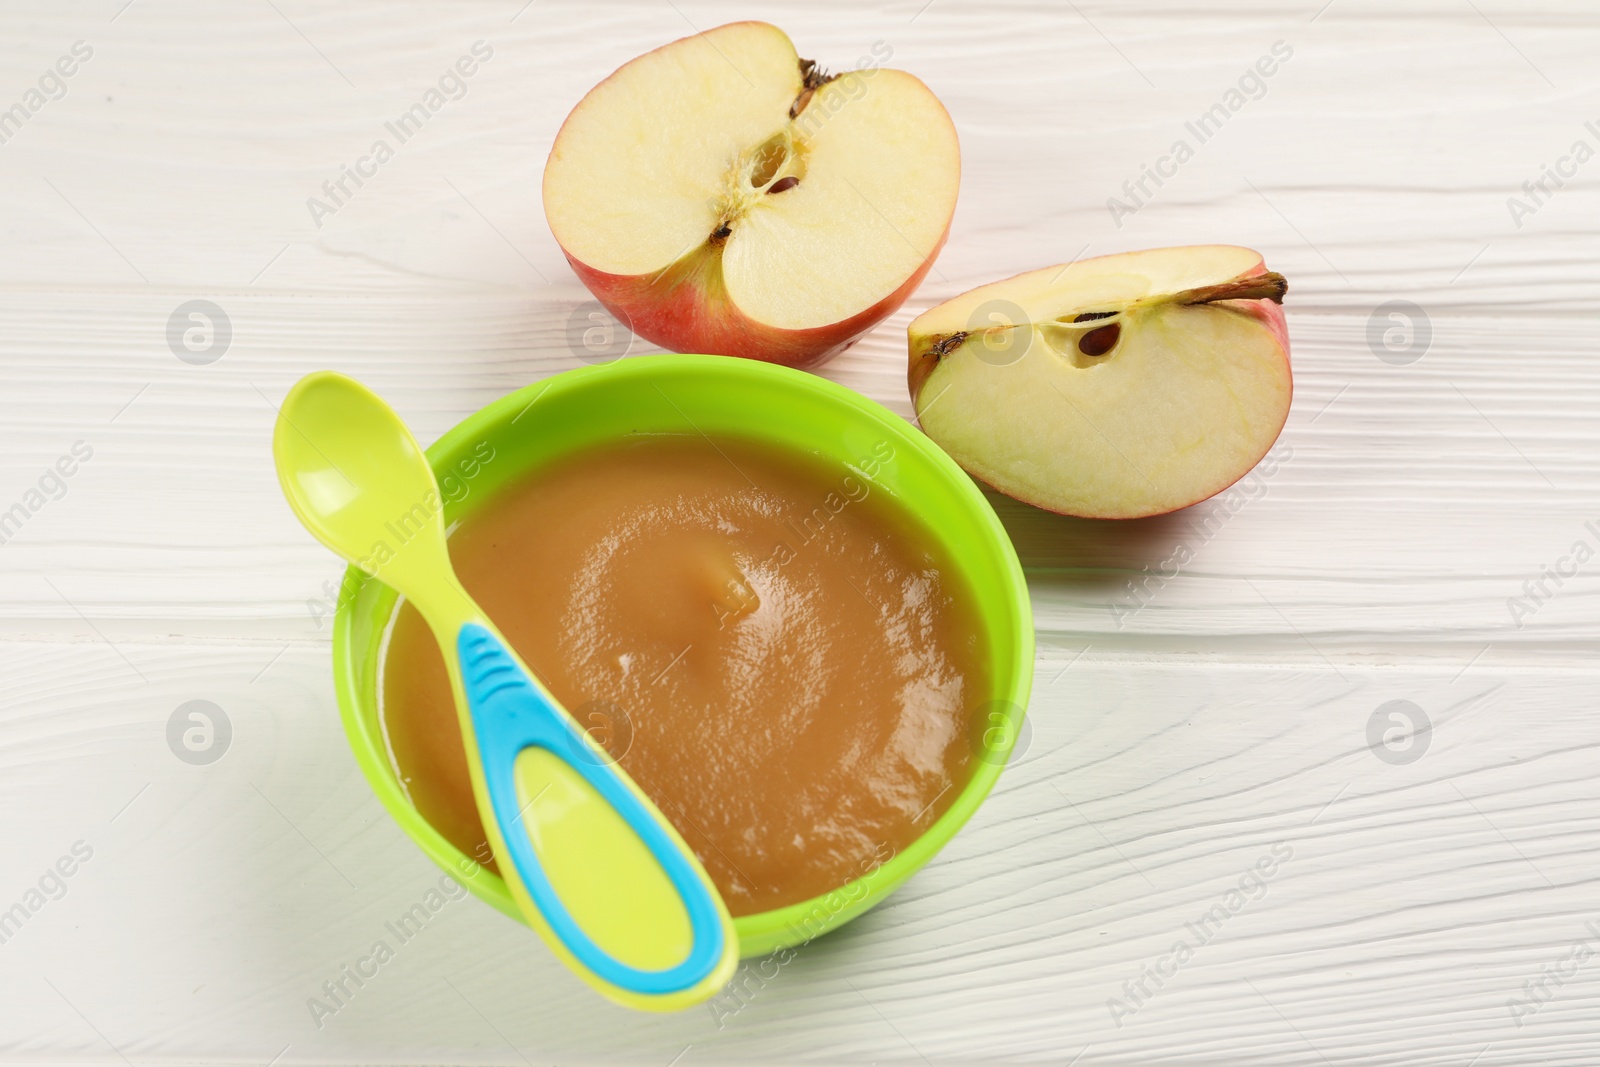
(593, 866)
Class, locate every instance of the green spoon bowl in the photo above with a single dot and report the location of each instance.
(784, 409)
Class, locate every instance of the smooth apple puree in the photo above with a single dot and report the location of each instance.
(776, 651)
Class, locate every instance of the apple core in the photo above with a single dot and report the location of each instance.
(723, 195)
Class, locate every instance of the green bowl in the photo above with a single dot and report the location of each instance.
(725, 396)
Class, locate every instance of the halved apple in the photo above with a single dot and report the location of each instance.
(720, 194)
(1116, 387)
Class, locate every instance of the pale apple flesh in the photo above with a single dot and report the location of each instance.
(1116, 387)
(722, 195)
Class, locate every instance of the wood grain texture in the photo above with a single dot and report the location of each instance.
(1187, 719)
(1413, 902)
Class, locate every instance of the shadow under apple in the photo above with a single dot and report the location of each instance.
(1090, 554)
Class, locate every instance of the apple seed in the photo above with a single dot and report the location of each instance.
(1098, 342)
(787, 182)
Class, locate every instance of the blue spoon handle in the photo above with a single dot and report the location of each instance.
(510, 714)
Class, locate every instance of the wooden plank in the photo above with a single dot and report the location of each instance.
(1409, 901)
(1410, 507)
(1188, 718)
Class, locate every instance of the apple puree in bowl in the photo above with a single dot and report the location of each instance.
(771, 647)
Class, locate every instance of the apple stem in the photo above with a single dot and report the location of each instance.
(1268, 286)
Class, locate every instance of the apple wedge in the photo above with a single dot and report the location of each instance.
(1116, 387)
(720, 194)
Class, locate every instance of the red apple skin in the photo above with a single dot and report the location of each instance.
(1271, 315)
(688, 320)
(686, 310)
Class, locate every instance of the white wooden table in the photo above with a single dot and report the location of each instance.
(1178, 740)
